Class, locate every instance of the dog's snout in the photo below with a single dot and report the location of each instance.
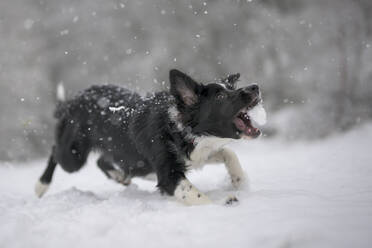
(250, 93)
(252, 89)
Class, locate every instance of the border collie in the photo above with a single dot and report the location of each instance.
(166, 133)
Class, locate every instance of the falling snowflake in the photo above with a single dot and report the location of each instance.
(28, 24)
(103, 102)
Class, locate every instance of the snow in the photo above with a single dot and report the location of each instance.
(28, 23)
(128, 51)
(313, 194)
(103, 102)
(61, 94)
(258, 114)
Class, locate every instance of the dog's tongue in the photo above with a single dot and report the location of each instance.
(258, 114)
(239, 123)
(252, 131)
(246, 128)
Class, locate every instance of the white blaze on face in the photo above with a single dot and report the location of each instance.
(258, 114)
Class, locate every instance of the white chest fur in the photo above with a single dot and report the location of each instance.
(205, 145)
(204, 149)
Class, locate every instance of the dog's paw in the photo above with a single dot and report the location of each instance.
(239, 181)
(41, 188)
(188, 194)
(231, 200)
(119, 177)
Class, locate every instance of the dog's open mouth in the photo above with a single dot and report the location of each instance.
(244, 124)
(245, 118)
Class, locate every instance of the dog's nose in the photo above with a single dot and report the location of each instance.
(250, 93)
(252, 89)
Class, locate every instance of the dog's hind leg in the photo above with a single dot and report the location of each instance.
(42, 184)
(106, 165)
(72, 149)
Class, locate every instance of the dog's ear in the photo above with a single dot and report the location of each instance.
(231, 81)
(183, 87)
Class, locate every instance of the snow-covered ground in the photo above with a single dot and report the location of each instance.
(316, 194)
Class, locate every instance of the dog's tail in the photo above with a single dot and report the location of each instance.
(43, 183)
(59, 112)
(61, 94)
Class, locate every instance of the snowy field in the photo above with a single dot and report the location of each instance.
(316, 194)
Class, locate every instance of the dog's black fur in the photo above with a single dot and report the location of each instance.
(140, 136)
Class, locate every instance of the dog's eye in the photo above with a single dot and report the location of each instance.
(221, 95)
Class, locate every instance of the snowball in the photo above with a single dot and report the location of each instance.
(258, 114)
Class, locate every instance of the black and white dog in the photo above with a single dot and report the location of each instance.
(166, 133)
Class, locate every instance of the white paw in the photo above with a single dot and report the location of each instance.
(188, 194)
(119, 177)
(231, 200)
(41, 188)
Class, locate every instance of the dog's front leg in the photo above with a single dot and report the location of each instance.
(188, 194)
(172, 180)
(237, 175)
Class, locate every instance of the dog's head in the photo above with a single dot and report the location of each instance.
(218, 109)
